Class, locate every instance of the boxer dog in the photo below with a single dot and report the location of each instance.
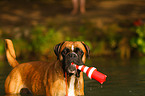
(58, 78)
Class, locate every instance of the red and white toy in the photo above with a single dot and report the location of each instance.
(92, 73)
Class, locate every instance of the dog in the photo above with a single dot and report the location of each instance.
(58, 78)
(76, 5)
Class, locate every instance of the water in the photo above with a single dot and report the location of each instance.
(125, 77)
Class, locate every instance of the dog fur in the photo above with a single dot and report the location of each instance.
(45, 78)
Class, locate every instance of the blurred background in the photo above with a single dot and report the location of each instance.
(113, 29)
(109, 27)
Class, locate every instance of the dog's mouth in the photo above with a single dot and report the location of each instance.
(70, 58)
(69, 68)
(72, 69)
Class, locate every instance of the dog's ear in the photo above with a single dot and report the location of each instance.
(87, 49)
(57, 49)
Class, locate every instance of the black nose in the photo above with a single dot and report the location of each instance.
(73, 55)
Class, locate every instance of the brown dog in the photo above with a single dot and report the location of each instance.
(57, 78)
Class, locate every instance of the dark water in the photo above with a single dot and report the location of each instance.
(125, 77)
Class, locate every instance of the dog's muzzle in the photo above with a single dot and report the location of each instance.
(71, 57)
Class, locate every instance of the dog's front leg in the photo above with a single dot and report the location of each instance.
(55, 92)
(79, 85)
(56, 88)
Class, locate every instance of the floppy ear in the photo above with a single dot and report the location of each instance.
(87, 49)
(57, 49)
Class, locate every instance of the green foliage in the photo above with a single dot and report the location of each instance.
(112, 36)
(21, 46)
(43, 40)
(2, 48)
(138, 42)
(40, 40)
(99, 47)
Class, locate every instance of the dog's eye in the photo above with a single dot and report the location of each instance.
(78, 51)
(65, 51)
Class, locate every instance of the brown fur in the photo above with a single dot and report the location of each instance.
(40, 77)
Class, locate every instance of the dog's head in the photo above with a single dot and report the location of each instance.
(68, 52)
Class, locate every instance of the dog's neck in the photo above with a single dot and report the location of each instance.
(71, 86)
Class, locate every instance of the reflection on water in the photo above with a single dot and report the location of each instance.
(124, 77)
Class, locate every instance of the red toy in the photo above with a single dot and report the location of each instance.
(92, 73)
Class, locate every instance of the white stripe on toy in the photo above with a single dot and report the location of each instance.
(85, 69)
(91, 72)
(80, 67)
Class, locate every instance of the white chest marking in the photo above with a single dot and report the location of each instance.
(72, 47)
(71, 91)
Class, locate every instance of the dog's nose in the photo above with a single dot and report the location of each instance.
(73, 55)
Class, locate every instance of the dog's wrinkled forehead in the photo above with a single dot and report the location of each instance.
(72, 45)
